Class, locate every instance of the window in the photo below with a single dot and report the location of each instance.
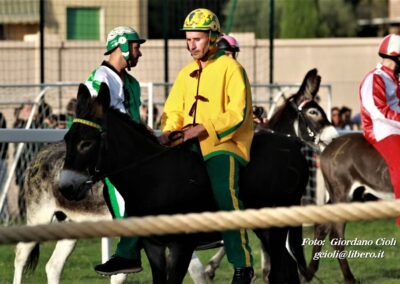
(83, 23)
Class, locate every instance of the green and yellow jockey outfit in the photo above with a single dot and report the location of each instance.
(224, 107)
(125, 96)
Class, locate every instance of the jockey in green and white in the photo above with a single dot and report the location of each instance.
(123, 48)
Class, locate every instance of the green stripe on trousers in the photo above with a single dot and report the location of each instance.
(223, 171)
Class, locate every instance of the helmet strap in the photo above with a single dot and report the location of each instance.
(205, 56)
(129, 59)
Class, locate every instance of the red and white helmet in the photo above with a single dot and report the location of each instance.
(390, 46)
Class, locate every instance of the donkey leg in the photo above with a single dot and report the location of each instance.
(178, 262)
(55, 265)
(265, 263)
(320, 233)
(22, 254)
(196, 270)
(337, 232)
(118, 278)
(214, 263)
(157, 260)
(282, 264)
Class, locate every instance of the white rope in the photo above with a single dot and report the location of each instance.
(204, 222)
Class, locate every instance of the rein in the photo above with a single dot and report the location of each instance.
(97, 175)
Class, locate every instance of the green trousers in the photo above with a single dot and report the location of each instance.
(127, 247)
(223, 171)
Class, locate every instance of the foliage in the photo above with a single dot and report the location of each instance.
(304, 18)
(176, 11)
(368, 9)
(299, 19)
(337, 19)
(252, 17)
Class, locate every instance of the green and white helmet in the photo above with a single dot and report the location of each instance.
(121, 36)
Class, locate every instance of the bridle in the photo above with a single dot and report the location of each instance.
(97, 173)
(311, 131)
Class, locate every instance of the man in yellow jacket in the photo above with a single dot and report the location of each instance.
(212, 94)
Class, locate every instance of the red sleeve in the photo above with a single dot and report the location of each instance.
(380, 99)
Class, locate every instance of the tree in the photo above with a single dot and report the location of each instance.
(337, 19)
(299, 19)
(250, 17)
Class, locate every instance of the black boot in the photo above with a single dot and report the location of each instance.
(244, 275)
(117, 264)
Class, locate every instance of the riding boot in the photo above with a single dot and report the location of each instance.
(243, 275)
(117, 264)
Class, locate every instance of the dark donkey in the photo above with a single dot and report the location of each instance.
(298, 116)
(157, 180)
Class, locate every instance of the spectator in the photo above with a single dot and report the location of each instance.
(144, 113)
(335, 117)
(356, 121)
(71, 108)
(345, 118)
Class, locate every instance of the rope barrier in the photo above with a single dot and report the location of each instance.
(204, 222)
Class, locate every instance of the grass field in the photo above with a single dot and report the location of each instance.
(79, 267)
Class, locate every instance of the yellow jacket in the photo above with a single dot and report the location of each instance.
(226, 111)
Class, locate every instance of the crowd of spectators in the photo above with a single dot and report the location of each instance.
(343, 119)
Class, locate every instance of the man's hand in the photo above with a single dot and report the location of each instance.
(198, 131)
(164, 138)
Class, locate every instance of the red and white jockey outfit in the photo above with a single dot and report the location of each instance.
(380, 112)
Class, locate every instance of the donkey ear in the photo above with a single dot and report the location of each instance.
(103, 97)
(310, 86)
(83, 100)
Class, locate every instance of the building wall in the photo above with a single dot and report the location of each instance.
(131, 13)
(394, 8)
(17, 31)
(342, 63)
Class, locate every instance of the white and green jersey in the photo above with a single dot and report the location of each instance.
(125, 96)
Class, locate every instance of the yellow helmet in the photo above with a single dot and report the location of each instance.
(201, 20)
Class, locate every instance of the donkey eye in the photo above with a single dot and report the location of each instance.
(85, 145)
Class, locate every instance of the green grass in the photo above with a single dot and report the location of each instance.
(79, 267)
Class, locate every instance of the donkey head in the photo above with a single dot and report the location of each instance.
(302, 116)
(84, 143)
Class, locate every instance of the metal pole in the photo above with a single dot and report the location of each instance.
(271, 40)
(229, 20)
(165, 35)
(41, 27)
